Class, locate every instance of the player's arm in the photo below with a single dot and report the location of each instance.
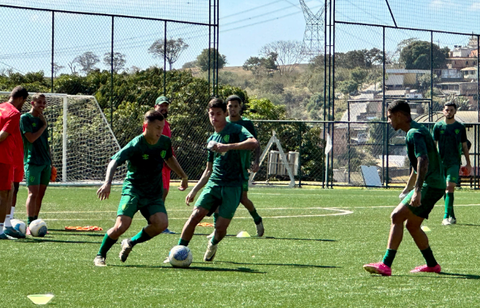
(173, 164)
(31, 137)
(3, 135)
(466, 152)
(104, 191)
(202, 182)
(422, 168)
(248, 144)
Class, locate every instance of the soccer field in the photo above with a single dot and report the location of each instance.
(312, 255)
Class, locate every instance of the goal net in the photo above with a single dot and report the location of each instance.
(81, 140)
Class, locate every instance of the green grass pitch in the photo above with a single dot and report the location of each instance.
(312, 256)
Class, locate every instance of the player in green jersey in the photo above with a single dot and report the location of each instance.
(222, 178)
(234, 108)
(37, 160)
(142, 188)
(426, 185)
(451, 139)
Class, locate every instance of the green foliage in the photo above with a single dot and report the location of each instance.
(348, 86)
(416, 55)
(171, 50)
(33, 82)
(205, 62)
(258, 65)
(359, 58)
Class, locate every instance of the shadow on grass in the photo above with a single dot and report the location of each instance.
(468, 225)
(281, 264)
(277, 238)
(30, 240)
(196, 268)
(459, 276)
(77, 233)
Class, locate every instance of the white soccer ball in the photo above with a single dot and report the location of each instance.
(19, 225)
(180, 256)
(38, 228)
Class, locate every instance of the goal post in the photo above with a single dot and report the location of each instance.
(81, 139)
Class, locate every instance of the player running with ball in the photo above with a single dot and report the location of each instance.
(222, 178)
(142, 188)
(428, 184)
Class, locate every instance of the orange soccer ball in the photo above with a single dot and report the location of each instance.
(464, 171)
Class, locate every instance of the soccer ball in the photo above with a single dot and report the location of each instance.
(180, 256)
(19, 225)
(38, 228)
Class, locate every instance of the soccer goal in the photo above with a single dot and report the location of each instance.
(81, 140)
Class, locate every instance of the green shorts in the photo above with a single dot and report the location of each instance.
(37, 174)
(452, 173)
(131, 203)
(430, 196)
(226, 199)
(245, 185)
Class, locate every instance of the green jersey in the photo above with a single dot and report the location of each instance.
(145, 163)
(245, 122)
(450, 138)
(420, 142)
(228, 168)
(38, 152)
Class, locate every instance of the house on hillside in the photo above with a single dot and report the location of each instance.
(401, 78)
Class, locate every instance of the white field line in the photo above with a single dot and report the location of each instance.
(339, 211)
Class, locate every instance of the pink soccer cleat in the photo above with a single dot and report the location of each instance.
(427, 269)
(378, 268)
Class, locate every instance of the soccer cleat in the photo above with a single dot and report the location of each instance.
(166, 231)
(446, 221)
(99, 261)
(260, 229)
(10, 231)
(3, 237)
(211, 235)
(126, 249)
(378, 268)
(210, 253)
(427, 269)
(453, 221)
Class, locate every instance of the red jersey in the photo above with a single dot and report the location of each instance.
(11, 149)
(167, 132)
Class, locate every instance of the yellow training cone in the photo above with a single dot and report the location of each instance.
(243, 234)
(40, 299)
(426, 229)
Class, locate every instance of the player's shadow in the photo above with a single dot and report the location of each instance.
(279, 238)
(196, 268)
(468, 225)
(281, 264)
(38, 240)
(459, 276)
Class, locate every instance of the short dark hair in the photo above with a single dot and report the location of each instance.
(400, 105)
(217, 103)
(153, 115)
(37, 96)
(234, 98)
(448, 104)
(18, 92)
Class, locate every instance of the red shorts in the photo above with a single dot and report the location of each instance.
(166, 178)
(18, 174)
(6, 176)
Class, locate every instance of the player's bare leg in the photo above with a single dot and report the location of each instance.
(248, 204)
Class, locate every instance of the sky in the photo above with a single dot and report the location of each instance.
(245, 27)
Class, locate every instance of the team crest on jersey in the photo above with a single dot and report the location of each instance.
(163, 153)
(34, 124)
(457, 131)
(226, 138)
(442, 132)
(145, 156)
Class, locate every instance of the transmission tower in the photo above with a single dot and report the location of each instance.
(313, 36)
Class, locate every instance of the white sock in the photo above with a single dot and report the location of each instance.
(12, 211)
(7, 221)
(1, 228)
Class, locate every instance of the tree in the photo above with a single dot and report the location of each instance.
(359, 58)
(206, 62)
(260, 64)
(118, 61)
(57, 68)
(87, 61)
(416, 55)
(171, 52)
(288, 54)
